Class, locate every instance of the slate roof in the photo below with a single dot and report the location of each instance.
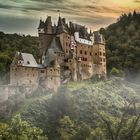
(56, 45)
(41, 25)
(29, 60)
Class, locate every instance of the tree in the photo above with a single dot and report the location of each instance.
(20, 130)
(83, 133)
(67, 128)
(59, 106)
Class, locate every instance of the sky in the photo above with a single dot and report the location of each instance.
(22, 16)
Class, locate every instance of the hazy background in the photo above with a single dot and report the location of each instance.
(22, 16)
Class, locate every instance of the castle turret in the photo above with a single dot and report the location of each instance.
(99, 39)
(45, 31)
(41, 27)
(61, 27)
(99, 55)
(48, 26)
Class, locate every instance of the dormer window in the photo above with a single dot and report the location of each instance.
(20, 62)
(28, 62)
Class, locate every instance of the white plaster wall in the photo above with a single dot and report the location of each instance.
(83, 41)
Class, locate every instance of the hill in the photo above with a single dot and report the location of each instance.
(85, 103)
(123, 45)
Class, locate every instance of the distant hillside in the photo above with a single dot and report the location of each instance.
(123, 45)
(82, 102)
(9, 44)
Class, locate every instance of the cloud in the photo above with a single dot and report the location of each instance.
(136, 1)
(89, 12)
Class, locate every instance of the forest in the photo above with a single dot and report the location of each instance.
(93, 109)
(86, 110)
(123, 46)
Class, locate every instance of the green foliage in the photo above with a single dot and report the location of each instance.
(59, 106)
(83, 111)
(117, 72)
(20, 130)
(67, 128)
(61, 115)
(123, 45)
(83, 133)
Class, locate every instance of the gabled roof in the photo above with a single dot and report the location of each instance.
(29, 60)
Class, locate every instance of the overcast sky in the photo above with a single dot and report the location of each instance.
(22, 16)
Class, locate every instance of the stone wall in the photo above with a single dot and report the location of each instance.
(99, 58)
(20, 76)
(7, 91)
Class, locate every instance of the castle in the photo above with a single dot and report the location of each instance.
(68, 52)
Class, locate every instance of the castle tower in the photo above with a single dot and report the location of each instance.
(62, 33)
(48, 26)
(99, 55)
(53, 80)
(45, 33)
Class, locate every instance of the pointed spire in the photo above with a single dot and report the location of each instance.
(59, 21)
(90, 31)
(41, 24)
(48, 21)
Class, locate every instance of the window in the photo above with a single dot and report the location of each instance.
(90, 53)
(103, 54)
(85, 53)
(100, 53)
(95, 53)
(66, 50)
(81, 52)
(104, 59)
(42, 71)
(66, 68)
(101, 59)
(28, 62)
(65, 60)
